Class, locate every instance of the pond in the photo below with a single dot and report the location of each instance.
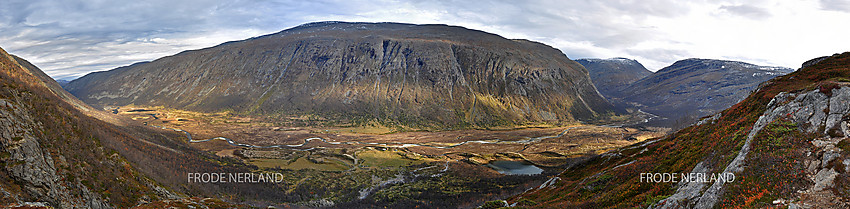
(514, 168)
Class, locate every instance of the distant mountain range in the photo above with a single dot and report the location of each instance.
(611, 76)
(682, 92)
(421, 76)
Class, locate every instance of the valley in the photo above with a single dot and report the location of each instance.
(335, 114)
(382, 162)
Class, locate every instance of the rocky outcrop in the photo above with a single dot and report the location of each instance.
(611, 76)
(815, 112)
(431, 76)
(27, 163)
(812, 62)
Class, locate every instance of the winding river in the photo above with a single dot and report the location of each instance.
(392, 144)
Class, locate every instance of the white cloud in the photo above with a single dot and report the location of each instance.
(70, 38)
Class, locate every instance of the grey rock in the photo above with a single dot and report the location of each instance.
(687, 192)
(32, 166)
(828, 156)
(840, 101)
(813, 166)
(813, 62)
(793, 206)
(709, 119)
(824, 179)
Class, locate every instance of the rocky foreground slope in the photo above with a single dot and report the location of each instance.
(57, 152)
(786, 144)
(425, 76)
(54, 155)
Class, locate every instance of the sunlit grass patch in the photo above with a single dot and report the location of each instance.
(377, 158)
(299, 164)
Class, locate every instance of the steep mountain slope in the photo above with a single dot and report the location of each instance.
(786, 144)
(53, 153)
(57, 151)
(611, 76)
(693, 88)
(426, 76)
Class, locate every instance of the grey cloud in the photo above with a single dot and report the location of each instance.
(64, 32)
(68, 33)
(835, 5)
(70, 38)
(746, 11)
(577, 21)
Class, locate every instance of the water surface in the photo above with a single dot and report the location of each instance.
(514, 168)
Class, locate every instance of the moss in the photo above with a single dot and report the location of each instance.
(773, 169)
(525, 202)
(492, 204)
(654, 199)
(845, 146)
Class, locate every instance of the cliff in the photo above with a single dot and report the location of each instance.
(424, 76)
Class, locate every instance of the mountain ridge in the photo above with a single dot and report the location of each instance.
(425, 76)
(611, 75)
(692, 88)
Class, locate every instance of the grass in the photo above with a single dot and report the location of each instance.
(773, 168)
(380, 159)
(368, 128)
(299, 164)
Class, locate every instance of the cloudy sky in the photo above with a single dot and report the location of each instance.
(68, 39)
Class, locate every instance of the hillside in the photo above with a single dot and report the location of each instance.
(693, 88)
(58, 152)
(54, 154)
(611, 76)
(420, 76)
(786, 145)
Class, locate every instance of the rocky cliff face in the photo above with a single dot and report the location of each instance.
(693, 88)
(50, 152)
(787, 145)
(611, 76)
(432, 76)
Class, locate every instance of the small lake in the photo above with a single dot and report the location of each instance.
(514, 168)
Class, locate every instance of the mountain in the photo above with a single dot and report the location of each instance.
(611, 76)
(58, 152)
(62, 82)
(786, 144)
(53, 154)
(692, 88)
(423, 76)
